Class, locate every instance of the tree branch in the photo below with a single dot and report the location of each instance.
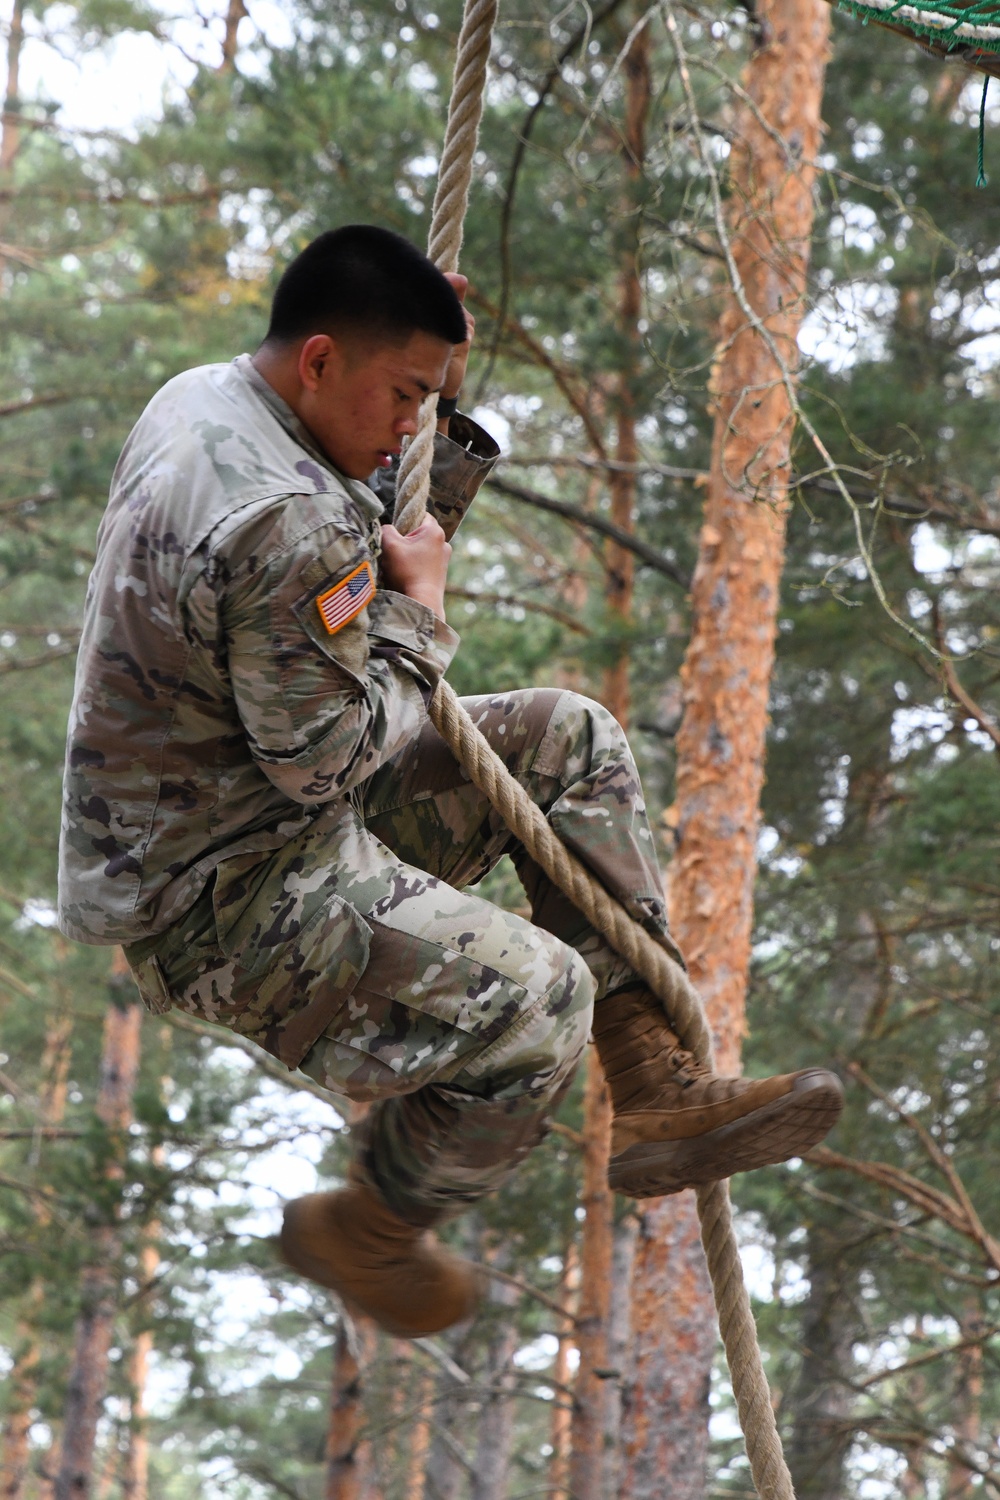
(22, 664)
(452, 591)
(574, 513)
(524, 135)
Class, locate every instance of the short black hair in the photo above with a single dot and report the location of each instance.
(363, 280)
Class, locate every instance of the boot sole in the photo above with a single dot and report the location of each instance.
(773, 1133)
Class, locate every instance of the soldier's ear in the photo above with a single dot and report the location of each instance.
(315, 354)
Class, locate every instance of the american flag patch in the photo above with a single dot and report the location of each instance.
(342, 603)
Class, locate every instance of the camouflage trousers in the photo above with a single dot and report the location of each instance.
(462, 1021)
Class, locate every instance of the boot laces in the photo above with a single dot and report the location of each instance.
(686, 1066)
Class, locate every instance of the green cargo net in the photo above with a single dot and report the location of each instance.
(964, 33)
(971, 30)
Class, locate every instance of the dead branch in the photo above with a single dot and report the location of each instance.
(541, 356)
(969, 1342)
(527, 1289)
(612, 465)
(928, 1200)
(524, 135)
(12, 408)
(941, 1160)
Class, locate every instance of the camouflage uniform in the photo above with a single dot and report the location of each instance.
(260, 811)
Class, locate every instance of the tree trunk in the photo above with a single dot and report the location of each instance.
(235, 12)
(626, 1233)
(22, 1396)
(10, 129)
(135, 1470)
(620, 561)
(819, 1404)
(447, 1462)
(348, 1453)
(109, 1468)
(592, 1393)
(822, 1398)
(561, 1432)
(99, 1282)
(415, 1481)
(726, 678)
(496, 1413)
(46, 1482)
(135, 1475)
(23, 1376)
(967, 1404)
(589, 1389)
(673, 1338)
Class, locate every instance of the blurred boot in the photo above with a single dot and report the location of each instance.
(396, 1272)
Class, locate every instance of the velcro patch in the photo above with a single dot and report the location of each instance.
(340, 604)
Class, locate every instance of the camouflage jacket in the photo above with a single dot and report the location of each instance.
(217, 707)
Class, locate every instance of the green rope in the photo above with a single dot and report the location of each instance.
(982, 178)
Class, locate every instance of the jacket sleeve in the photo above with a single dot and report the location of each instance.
(323, 709)
(461, 462)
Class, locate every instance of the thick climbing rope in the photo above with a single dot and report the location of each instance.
(664, 976)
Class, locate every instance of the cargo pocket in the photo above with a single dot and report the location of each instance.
(151, 984)
(296, 950)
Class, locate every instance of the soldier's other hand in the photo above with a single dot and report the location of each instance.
(460, 354)
(417, 564)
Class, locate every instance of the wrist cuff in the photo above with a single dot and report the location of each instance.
(447, 406)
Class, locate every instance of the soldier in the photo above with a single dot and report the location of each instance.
(258, 809)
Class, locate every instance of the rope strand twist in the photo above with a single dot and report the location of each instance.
(664, 976)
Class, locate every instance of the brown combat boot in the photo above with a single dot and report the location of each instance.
(677, 1124)
(397, 1273)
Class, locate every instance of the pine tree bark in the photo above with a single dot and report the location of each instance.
(726, 677)
(560, 1436)
(415, 1480)
(967, 1403)
(620, 561)
(10, 129)
(99, 1283)
(822, 1398)
(819, 1403)
(597, 1201)
(447, 1463)
(619, 1350)
(591, 1392)
(348, 1453)
(235, 12)
(23, 1376)
(22, 1394)
(496, 1413)
(135, 1471)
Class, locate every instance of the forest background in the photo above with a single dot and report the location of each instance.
(143, 1160)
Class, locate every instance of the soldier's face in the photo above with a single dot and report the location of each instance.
(360, 402)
